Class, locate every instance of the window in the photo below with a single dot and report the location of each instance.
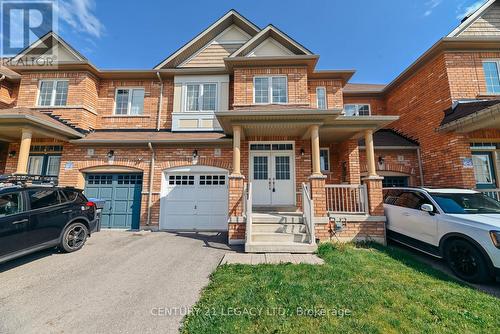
(212, 180)
(482, 168)
(44, 165)
(395, 181)
(282, 166)
(492, 76)
(53, 93)
(260, 168)
(201, 97)
(324, 159)
(321, 98)
(181, 180)
(270, 90)
(11, 204)
(44, 198)
(129, 101)
(357, 110)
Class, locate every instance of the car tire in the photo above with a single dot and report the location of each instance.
(466, 261)
(74, 237)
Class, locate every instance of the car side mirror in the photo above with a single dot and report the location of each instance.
(427, 208)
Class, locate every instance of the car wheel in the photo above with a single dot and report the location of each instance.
(466, 261)
(74, 237)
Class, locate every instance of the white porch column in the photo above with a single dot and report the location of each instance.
(24, 152)
(236, 150)
(370, 153)
(316, 165)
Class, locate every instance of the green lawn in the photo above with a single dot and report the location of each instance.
(360, 289)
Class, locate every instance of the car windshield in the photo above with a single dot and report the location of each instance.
(474, 203)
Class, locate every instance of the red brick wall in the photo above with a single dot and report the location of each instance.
(333, 93)
(420, 102)
(297, 84)
(345, 152)
(7, 95)
(106, 105)
(408, 166)
(377, 104)
(466, 75)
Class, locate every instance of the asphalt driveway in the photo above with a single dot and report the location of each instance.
(120, 282)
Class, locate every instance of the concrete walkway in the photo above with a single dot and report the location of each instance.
(270, 258)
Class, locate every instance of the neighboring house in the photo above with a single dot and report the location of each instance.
(238, 128)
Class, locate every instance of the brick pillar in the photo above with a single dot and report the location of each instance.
(236, 224)
(375, 197)
(318, 194)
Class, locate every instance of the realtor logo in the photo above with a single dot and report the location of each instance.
(23, 23)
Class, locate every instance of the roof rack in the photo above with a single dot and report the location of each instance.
(13, 180)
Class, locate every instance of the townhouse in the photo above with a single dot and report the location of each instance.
(238, 131)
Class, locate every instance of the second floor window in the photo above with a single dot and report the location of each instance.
(357, 109)
(492, 76)
(270, 90)
(321, 97)
(53, 93)
(129, 101)
(201, 97)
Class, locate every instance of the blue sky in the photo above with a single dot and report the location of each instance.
(378, 39)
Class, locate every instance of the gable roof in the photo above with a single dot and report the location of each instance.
(271, 32)
(467, 21)
(390, 138)
(188, 49)
(47, 42)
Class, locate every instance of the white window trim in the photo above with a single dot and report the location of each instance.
(497, 61)
(317, 99)
(200, 83)
(270, 89)
(357, 109)
(326, 149)
(129, 103)
(53, 96)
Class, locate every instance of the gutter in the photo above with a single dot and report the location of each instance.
(420, 169)
(150, 190)
(160, 104)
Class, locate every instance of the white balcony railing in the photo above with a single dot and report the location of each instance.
(247, 210)
(347, 198)
(308, 212)
(493, 193)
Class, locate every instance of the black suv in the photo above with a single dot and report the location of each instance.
(37, 217)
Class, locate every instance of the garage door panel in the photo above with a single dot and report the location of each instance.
(199, 204)
(122, 193)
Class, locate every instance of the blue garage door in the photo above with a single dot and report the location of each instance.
(122, 193)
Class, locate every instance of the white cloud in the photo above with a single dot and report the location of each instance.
(463, 12)
(431, 5)
(79, 15)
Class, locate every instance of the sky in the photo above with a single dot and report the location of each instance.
(379, 39)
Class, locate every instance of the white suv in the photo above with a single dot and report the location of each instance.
(461, 226)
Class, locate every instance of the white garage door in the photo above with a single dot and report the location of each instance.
(194, 198)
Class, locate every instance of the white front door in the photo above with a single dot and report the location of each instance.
(272, 176)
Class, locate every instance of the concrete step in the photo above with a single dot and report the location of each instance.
(272, 247)
(275, 218)
(277, 237)
(282, 228)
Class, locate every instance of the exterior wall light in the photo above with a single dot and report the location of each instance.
(12, 154)
(111, 154)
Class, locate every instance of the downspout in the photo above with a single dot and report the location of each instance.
(420, 170)
(160, 102)
(151, 177)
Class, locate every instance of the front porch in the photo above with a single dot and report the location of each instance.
(306, 186)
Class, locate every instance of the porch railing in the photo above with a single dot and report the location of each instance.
(493, 193)
(308, 212)
(346, 198)
(247, 210)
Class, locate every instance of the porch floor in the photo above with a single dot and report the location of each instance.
(270, 258)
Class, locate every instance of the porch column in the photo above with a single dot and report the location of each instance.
(236, 149)
(316, 165)
(370, 153)
(24, 152)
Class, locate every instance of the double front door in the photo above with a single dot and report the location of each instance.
(272, 177)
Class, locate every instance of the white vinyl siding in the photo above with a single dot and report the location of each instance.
(201, 97)
(129, 101)
(357, 110)
(321, 98)
(270, 90)
(53, 93)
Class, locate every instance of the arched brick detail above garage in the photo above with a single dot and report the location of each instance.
(390, 167)
(201, 161)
